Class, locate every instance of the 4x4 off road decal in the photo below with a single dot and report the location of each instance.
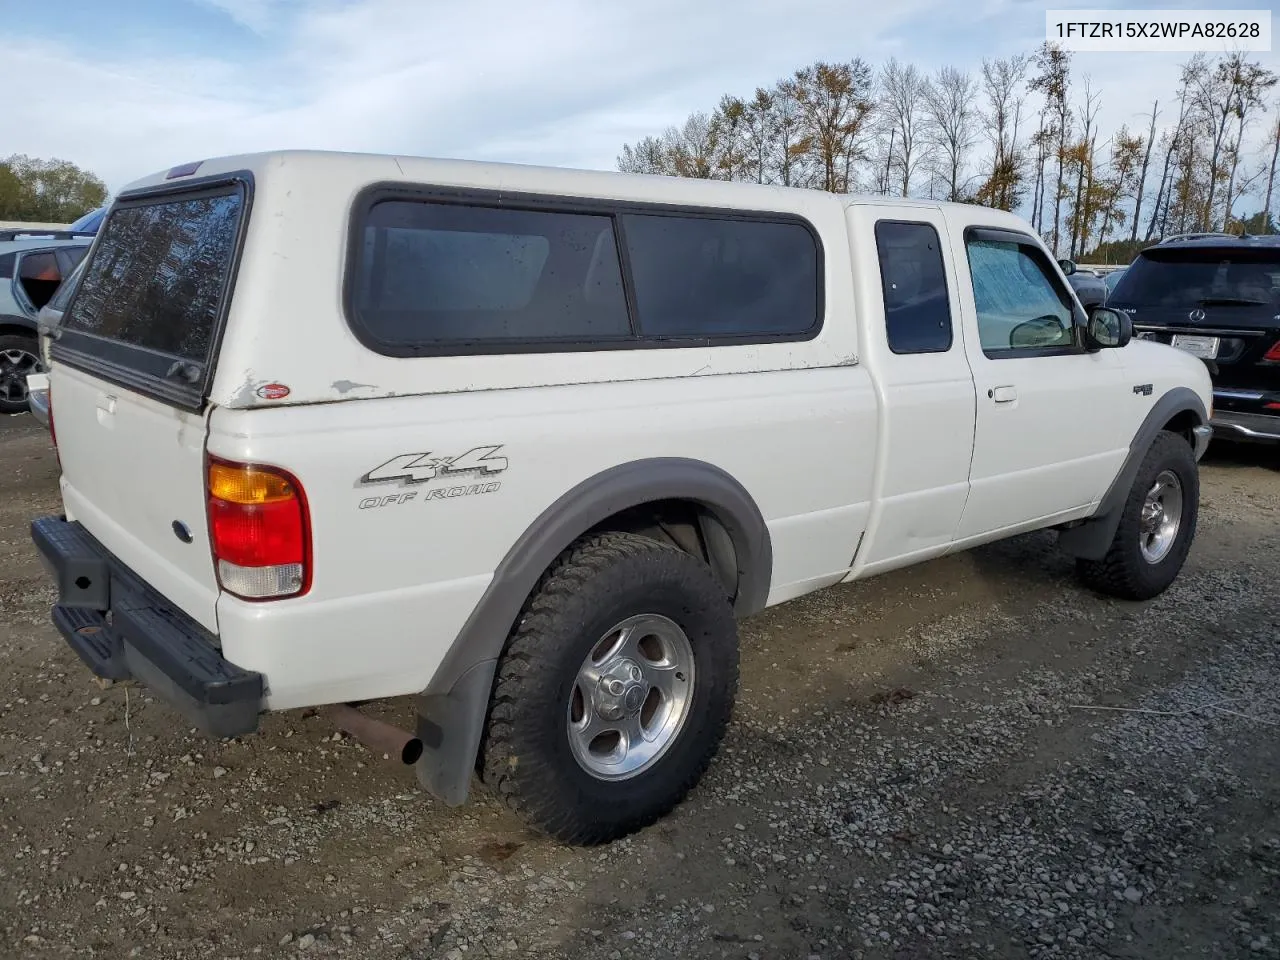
(419, 468)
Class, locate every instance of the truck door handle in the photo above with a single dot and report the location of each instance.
(1003, 394)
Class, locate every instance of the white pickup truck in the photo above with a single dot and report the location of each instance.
(523, 444)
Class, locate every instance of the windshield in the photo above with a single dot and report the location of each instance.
(1213, 277)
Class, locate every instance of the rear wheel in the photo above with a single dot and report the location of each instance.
(1157, 525)
(614, 691)
(19, 357)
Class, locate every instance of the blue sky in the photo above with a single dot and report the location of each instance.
(137, 86)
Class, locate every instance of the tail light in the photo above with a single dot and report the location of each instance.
(1273, 355)
(260, 531)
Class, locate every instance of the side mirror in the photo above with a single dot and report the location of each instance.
(1107, 329)
(1068, 266)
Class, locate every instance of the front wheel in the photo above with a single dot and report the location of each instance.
(1157, 525)
(19, 357)
(614, 691)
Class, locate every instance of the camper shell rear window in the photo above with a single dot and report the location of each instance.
(149, 307)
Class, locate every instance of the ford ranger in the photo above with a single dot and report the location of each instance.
(525, 444)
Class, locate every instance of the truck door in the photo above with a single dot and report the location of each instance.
(1048, 437)
(912, 341)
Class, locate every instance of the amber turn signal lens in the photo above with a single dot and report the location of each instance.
(245, 485)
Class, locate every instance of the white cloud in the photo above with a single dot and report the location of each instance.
(562, 81)
(260, 16)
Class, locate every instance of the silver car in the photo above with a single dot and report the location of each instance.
(47, 324)
(32, 269)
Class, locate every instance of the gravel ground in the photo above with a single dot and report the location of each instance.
(972, 758)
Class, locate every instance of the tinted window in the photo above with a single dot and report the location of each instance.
(39, 275)
(1019, 306)
(704, 277)
(917, 312)
(157, 277)
(439, 273)
(61, 298)
(69, 257)
(1189, 278)
(6, 265)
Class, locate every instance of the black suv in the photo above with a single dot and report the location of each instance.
(1218, 298)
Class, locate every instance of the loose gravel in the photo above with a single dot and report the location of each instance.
(974, 758)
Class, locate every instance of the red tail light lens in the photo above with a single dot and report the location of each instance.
(1273, 355)
(259, 529)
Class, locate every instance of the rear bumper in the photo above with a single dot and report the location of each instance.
(38, 397)
(1252, 427)
(122, 629)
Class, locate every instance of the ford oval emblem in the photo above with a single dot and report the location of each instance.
(273, 391)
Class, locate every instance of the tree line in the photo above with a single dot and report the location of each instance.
(1022, 133)
(47, 191)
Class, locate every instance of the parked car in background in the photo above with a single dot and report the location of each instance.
(1088, 286)
(47, 323)
(90, 222)
(1218, 298)
(32, 267)
(1112, 278)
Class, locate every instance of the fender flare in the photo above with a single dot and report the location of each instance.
(452, 710)
(1092, 539)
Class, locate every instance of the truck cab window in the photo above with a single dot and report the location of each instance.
(917, 311)
(1019, 306)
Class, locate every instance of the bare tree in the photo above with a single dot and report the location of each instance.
(833, 126)
(1082, 155)
(952, 117)
(1142, 177)
(1108, 193)
(789, 146)
(903, 94)
(1271, 174)
(1228, 90)
(1001, 80)
(696, 145)
(1170, 142)
(1248, 177)
(834, 103)
(649, 155)
(759, 127)
(1054, 81)
(1041, 140)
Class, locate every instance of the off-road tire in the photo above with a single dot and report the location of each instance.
(1124, 573)
(596, 583)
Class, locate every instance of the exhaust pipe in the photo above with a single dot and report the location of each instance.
(377, 736)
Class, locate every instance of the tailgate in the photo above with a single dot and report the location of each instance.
(131, 367)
